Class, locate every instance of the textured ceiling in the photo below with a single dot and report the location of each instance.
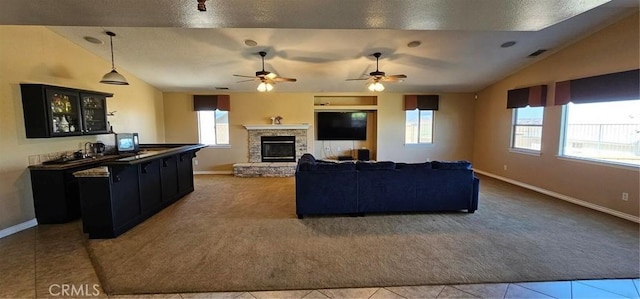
(174, 47)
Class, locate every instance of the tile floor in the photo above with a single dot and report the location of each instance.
(42, 262)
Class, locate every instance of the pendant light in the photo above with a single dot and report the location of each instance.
(113, 77)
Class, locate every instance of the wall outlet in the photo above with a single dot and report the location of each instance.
(327, 148)
(338, 148)
(505, 167)
(625, 196)
(195, 161)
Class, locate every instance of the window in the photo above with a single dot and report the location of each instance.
(419, 126)
(526, 131)
(213, 127)
(604, 131)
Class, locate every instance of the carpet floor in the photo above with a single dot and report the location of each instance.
(241, 234)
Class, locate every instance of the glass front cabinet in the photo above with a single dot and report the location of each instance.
(94, 113)
(52, 111)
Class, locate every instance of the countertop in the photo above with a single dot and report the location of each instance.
(147, 152)
(155, 151)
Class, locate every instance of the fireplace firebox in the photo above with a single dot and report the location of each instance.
(278, 148)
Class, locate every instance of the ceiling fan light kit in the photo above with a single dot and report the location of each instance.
(263, 87)
(376, 77)
(376, 86)
(266, 79)
(113, 77)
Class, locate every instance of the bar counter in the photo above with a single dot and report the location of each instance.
(121, 193)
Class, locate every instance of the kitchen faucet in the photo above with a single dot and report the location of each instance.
(87, 153)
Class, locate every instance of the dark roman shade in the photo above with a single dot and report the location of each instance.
(421, 102)
(211, 102)
(534, 96)
(622, 86)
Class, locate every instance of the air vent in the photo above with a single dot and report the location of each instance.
(537, 53)
(222, 88)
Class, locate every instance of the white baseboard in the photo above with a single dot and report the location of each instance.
(18, 228)
(213, 172)
(563, 197)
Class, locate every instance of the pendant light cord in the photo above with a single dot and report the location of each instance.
(113, 67)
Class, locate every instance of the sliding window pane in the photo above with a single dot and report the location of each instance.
(527, 128)
(604, 131)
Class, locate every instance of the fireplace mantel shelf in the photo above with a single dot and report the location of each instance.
(277, 127)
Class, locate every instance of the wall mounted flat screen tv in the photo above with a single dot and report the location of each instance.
(342, 125)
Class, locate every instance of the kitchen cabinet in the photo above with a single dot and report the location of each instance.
(185, 172)
(54, 111)
(125, 204)
(94, 113)
(169, 174)
(55, 193)
(150, 194)
(127, 191)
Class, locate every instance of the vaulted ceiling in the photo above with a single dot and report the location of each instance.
(174, 47)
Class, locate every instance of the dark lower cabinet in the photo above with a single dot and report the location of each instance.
(169, 174)
(132, 193)
(185, 172)
(110, 205)
(55, 194)
(125, 201)
(150, 194)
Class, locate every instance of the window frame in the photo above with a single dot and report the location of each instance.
(215, 128)
(587, 160)
(433, 120)
(514, 124)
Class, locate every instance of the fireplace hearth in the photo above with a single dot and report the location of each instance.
(278, 148)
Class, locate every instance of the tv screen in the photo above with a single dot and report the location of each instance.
(127, 142)
(342, 125)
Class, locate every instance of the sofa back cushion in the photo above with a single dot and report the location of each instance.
(334, 166)
(451, 165)
(381, 165)
(413, 166)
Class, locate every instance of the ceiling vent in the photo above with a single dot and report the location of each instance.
(537, 53)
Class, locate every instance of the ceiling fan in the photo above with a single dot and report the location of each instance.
(377, 76)
(266, 79)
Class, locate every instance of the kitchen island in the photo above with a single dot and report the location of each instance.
(121, 193)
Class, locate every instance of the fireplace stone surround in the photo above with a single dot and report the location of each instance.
(255, 167)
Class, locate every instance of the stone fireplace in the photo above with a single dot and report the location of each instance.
(278, 148)
(283, 140)
(256, 132)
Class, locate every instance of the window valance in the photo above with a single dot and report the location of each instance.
(211, 102)
(534, 96)
(421, 102)
(620, 86)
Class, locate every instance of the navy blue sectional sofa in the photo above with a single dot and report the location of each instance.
(357, 188)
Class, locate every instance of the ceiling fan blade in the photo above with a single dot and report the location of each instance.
(281, 79)
(243, 76)
(387, 79)
(246, 80)
(397, 76)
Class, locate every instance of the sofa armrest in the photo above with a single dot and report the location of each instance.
(326, 192)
